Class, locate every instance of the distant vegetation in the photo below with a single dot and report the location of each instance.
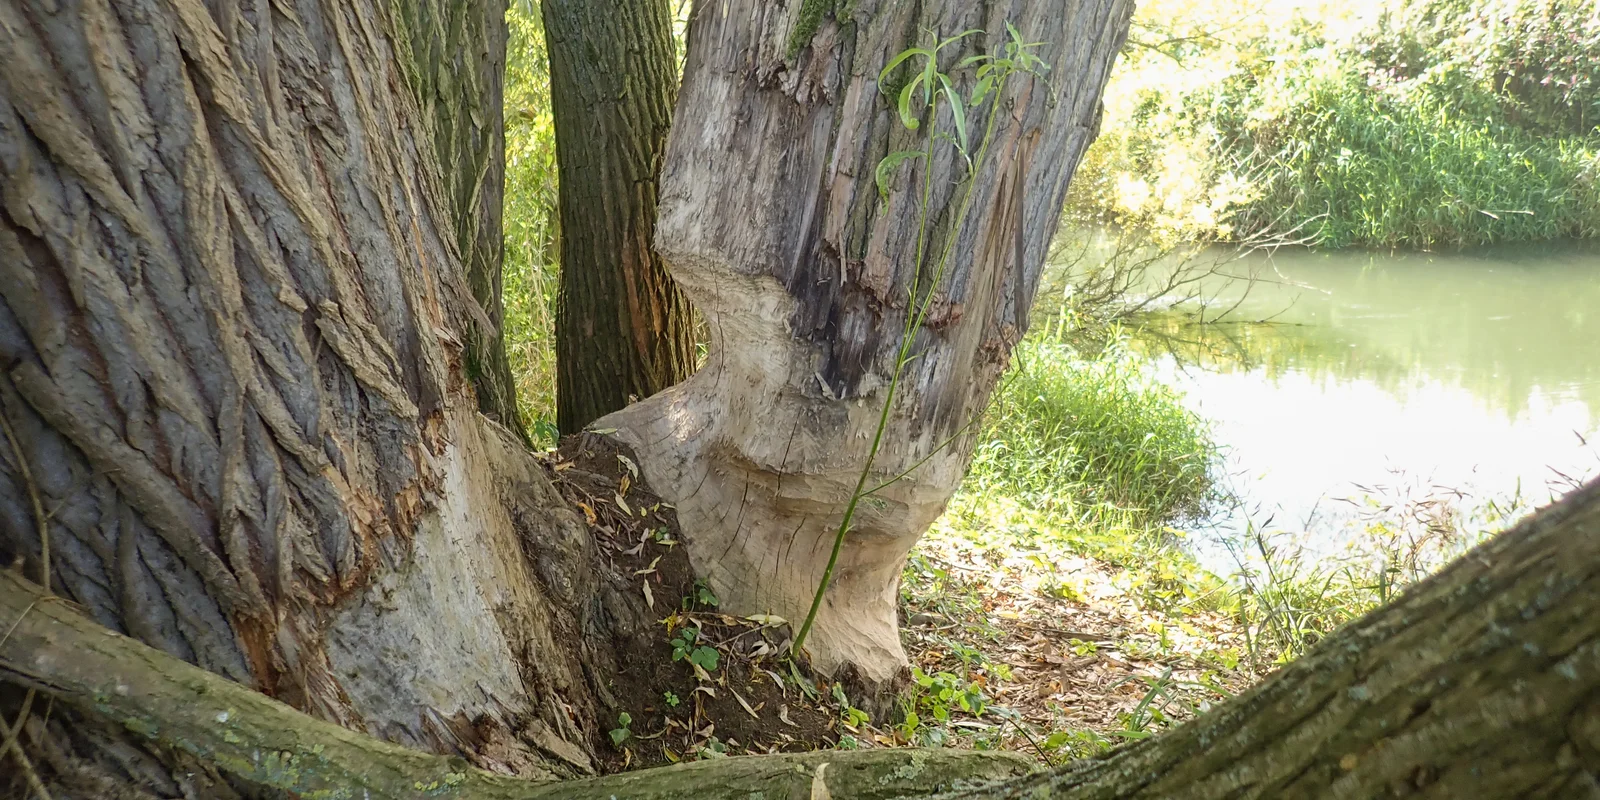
(1413, 123)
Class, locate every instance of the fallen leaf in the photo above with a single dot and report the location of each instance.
(649, 569)
(649, 599)
(588, 513)
(783, 715)
(622, 504)
(628, 462)
(745, 705)
(819, 787)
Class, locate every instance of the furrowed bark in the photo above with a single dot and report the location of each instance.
(623, 330)
(1481, 682)
(454, 56)
(771, 221)
(234, 344)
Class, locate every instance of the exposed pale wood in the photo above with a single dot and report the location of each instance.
(771, 221)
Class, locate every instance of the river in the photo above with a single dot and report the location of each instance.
(1346, 378)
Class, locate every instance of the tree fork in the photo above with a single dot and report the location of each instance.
(1483, 682)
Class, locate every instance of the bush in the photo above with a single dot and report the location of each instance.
(1436, 122)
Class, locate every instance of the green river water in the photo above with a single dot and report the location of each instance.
(1350, 374)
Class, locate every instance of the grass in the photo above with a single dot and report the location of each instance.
(1093, 436)
(531, 222)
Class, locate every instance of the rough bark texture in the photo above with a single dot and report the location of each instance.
(623, 329)
(233, 325)
(455, 62)
(1482, 682)
(771, 222)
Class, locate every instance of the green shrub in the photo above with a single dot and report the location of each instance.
(1068, 433)
(1432, 123)
(1350, 161)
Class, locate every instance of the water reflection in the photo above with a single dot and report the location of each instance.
(1478, 370)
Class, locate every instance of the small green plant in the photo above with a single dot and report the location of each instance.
(943, 692)
(670, 699)
(703, 595)
(623, 731)
(686, 648)
(849, 714)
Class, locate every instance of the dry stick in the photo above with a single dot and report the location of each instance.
(12, 743)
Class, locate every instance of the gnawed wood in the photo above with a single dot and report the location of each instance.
(771, 221)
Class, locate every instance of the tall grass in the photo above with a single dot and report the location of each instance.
(1066, 432)
(531, 223)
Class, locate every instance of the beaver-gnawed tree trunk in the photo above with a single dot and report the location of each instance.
(235, 338)
(772, 223)
(1482, 682)
(623, 330)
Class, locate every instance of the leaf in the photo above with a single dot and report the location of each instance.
(603, 431)
(819, 786)
(907, 118)
(649, 599)
(706, 657)
(649, 569)
(981, 91)
(619, 735)
(783, 716)
(622, 504)
(769, 620)
(885, 171)
(899, 59)
(957, 112)
(588, 512)
(628, 462)
(745, 705)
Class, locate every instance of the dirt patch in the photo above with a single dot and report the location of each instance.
(701, 683)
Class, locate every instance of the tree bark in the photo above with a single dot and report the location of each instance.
(234, 348)
(771, 222)
(1481, 682)
(455, 62)
(623, 329)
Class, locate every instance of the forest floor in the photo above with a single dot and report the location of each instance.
(1017, 641)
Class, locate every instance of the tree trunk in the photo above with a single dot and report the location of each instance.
(1482, 682)
(234, 329)
(771, 223)
(623, 329)
(455, 62)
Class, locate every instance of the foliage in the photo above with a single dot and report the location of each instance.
(623, 731)
(685, 648)
(1406, 122)
(531, 222)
